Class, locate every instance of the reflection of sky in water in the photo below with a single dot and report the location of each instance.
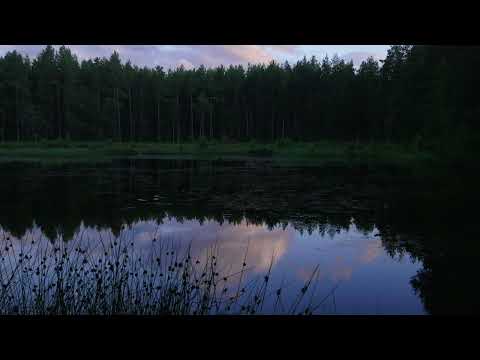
(369, 280)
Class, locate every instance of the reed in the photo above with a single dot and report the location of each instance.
(115, 276)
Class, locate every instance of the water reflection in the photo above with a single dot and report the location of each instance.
(348, 257)
(377, 233)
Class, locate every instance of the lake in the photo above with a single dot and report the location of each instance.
(378, 240)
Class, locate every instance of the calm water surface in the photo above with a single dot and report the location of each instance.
(365, 230)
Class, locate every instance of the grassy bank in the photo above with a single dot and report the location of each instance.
(281, 150)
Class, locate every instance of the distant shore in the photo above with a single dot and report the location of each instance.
(318, 152)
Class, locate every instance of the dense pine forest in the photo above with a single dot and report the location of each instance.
(424, 96)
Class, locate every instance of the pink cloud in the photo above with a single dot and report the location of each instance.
(248, 53)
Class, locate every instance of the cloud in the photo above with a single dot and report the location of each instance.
(248, 53)
(185, 63)
(284, 48)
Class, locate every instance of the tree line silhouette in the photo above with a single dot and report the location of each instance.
(421, 95)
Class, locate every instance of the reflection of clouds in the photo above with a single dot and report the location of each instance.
(231, 243)
(305, 273)
(338, 257)
(342, 272)
(144, 236)
(350, 257)
(230, 240)
(264, 245)
(342, 254)
(372, 250)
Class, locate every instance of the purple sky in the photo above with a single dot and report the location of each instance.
(170, 56)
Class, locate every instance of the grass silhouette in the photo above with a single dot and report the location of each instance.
(115, 276)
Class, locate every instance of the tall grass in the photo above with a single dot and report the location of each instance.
(115, 276)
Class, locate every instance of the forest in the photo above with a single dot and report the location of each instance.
(102, 146)
(423, 96)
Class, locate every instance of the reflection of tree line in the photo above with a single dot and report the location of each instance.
(417, 220)
(439, 229)
(60, 199)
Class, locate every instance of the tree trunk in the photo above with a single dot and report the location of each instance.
(158, 120)
(2, 129)
(250, 128)
(174, 118)
(178, 120)
(114, 126)
(141, 110)
(191, 115)
(211, 123)
(246, 123)
(294, 123)
(99, 112)
(17, 117)
(130, 112)
(59, 121)
(118, 116)
(273, 129)
(173, 129)
(64, 113)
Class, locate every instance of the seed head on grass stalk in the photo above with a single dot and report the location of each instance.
(97, 277)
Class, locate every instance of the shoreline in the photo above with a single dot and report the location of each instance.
(298, 152)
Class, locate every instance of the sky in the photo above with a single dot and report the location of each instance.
(190, 56)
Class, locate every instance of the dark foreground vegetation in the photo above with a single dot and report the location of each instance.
(114, 277)
(423, 97)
